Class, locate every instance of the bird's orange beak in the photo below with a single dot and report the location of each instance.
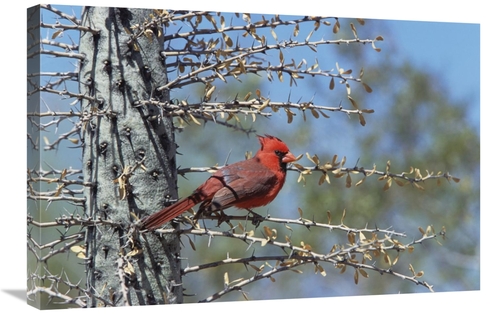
(289, 157)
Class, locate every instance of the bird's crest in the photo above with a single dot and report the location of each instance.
(272, 143)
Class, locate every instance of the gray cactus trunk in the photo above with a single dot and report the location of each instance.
(129, 153)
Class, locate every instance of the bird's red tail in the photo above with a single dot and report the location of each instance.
(168, 213)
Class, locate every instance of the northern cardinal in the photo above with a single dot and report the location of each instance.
(245, 184)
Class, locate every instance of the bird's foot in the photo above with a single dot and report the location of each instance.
(222, 218)
(255, 218)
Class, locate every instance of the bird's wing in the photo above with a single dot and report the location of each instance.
(246, 185)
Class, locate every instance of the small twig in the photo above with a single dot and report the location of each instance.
(70, 18)
(67, 245)
(80, 28)
(55, 294)
(74, 220)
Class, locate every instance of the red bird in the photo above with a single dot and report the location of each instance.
(245, 184)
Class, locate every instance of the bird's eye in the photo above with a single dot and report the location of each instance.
(279, 153)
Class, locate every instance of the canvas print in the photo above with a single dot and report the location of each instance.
(180, 156)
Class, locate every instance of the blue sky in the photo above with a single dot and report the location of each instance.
(454, 42)
(449, 49)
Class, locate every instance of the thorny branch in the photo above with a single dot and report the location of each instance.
(66, 27)
(63, 15)
(215, 59)
(62, 192)
(50, 197)
(66, 241)
(240, 67)
(339, 172)
(252, 107)
(56, 283)
(52, 292)
(74, 220)
(65, 93)
(309, 224)
(63, 78)
(340, 256)
(84, 121)
(67, 47)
